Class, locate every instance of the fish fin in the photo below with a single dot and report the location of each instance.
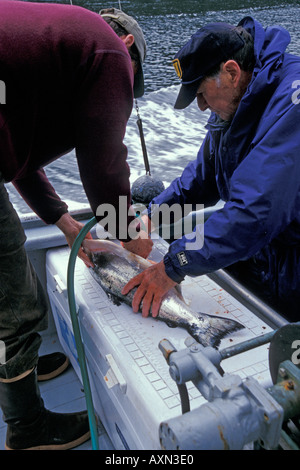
(115, 300)
(217, 329)
(170, 324)
(179, 292)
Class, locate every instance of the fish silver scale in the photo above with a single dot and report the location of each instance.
(115, 267)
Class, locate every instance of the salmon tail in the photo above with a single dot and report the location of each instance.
(211, 329)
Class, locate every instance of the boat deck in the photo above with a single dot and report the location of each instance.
(63, 394)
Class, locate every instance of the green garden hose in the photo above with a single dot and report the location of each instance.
(77, 334)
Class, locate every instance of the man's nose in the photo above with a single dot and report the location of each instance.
(202, 103)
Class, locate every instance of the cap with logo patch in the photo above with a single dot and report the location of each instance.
(131, 26)
(207, 48)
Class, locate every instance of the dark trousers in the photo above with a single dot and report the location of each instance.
(23, 306)
(274, 276)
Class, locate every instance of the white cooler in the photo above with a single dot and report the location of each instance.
(131, 386)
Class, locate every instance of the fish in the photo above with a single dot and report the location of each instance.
(114, 266)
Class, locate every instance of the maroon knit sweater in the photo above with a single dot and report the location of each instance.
(69, 84)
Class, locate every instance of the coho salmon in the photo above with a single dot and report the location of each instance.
(114, 266)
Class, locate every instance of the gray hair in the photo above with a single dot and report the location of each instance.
(244, 57)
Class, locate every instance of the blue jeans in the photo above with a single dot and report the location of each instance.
(23, 306)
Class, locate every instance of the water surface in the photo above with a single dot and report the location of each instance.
(172, 137)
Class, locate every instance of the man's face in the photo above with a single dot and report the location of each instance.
(220, 95)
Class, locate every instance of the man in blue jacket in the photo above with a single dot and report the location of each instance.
(250, 159)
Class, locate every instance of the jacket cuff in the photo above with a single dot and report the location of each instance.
(174, 273)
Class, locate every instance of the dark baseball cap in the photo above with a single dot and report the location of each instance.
(207, 48)
(132, 27)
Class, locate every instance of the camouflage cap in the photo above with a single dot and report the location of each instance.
(131, 26)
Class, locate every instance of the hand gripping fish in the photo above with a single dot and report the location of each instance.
(114, 266)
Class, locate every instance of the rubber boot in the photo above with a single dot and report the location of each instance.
(31, 426)
(51, 365)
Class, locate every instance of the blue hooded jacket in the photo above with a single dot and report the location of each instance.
(253, 164)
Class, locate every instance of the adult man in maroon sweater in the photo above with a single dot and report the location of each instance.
(70, 83)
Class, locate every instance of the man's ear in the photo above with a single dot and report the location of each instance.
(128, 40)
(232, 68)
